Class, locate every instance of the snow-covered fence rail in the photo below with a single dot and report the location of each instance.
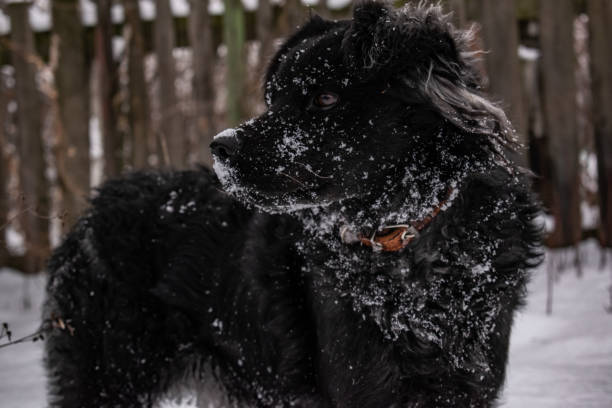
(41, 20)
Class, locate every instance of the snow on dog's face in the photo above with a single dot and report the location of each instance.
(373, 108)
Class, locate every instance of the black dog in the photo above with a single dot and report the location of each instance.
(385, 271)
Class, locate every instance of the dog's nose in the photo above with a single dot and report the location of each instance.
(225, 144)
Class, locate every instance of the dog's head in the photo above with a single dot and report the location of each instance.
(382, 106)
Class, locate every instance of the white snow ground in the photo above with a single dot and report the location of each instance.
(560, 361)
(564, 360)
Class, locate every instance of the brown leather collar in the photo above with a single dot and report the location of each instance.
(396, 237)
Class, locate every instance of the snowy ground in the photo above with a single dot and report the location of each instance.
(563, 360)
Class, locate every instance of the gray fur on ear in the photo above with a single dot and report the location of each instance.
(467, 109)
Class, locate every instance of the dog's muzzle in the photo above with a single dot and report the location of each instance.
(225, 144)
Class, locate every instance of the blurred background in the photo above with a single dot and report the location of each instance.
(94, 88)
(90, 89)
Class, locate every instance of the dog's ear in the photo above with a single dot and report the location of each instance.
(359, 42)
(422, 57)
(385, 41)
(464, 107)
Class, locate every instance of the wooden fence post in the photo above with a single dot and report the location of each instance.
(172, 138)
(72, 83)
(500, 37)
(234, 36)
(203, 70)
(139, 114)
(33, 183)
(600, 33)
(559, 107)
(4, 172)
(108, 84)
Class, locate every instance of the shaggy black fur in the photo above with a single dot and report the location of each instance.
(370, 122)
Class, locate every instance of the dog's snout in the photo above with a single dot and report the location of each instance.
(224, 148)
(225, 144)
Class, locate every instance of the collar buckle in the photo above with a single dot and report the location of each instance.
(391, 238)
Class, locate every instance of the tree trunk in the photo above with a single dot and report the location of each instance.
(500, 37)
(139, 114)
(203, 71)
(72, 82)
(600, 23)
(32, 169)
(172, 139)
(559, 103)
(234, 36)
(108, 86)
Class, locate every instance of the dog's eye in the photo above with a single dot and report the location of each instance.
(325, 100)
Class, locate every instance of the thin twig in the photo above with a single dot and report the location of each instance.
(38, 335)
(31, 210)
(56, 323)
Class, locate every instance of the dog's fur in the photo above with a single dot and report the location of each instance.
(166, 275)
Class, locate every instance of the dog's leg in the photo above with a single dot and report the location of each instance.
(102, 349)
